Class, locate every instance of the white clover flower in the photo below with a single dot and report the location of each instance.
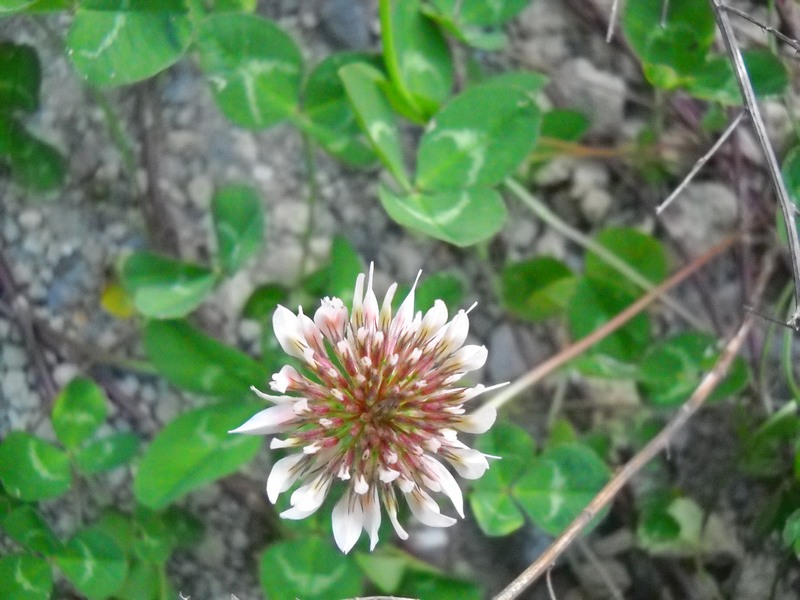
(380, 408)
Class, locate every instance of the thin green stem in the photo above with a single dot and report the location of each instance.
(390, 56)
(611, 259)
(118, 134)
(313, 199)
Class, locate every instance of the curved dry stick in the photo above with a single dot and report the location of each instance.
(632, 467)
(543, 369)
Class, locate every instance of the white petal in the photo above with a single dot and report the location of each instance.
(454, 334)
(372, 516)
(386, 307)
(447, 483)
(371, 312)
(360, 486)
(288, 331)
(270, 397)
(291, 442)
(405, 314)
(387, 475)
(469, 358)
(347, 520)
(469, 463)
(270, 420)
(311, 495)
(425, 509)
(478, 421)
(286, 378)
(282, 476)
(295, 513)
(311, 332)
(390, 502)
(357, 314)
(470, 393)
(434, 319)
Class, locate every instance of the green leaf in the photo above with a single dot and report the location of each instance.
(767, 72)
(564, 124)
(478, 138)
(32, 469)
(333, 122)
(193, 450)
(162, 6)
(154, 542)
(447, 287)
(94, 563)
(143, 582)
(671, 371)
(165, 288)
(119, 527)
(253, 66)
(20, 77)
(559, 484)
(310, 569)
(639, 250)
(476, 36)
(459, 217)
(361, 82)
(197, 363)
(433, 585)
(416, 56)
(35, 164)
(14, 5)
(481, 12)
(385, 570)
(26, 526)
(715, 80)
(495, 510)
(791, 532)
(24, 577)
(642, 19)
(263, 302)
(79, 409)
(118, 48)
(238, 224)
(107, 453)
(538, 288)
(595, 303)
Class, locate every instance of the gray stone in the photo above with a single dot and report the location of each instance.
(703, 214)
(600, 94)
(30, 218)
(14, 357)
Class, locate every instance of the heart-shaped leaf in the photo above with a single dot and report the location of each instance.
(253, 66)
(538, 288)
(193, 450)
(78, 411)
(32, 469)
(165, 288)
(117, 48)
(94, 563)
(238, 223)
(478, 138)
(460, 217)
(20, 76)
(107, 453)
(24, 577)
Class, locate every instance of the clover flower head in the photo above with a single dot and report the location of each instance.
(378, 410)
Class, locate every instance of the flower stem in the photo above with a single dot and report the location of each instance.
(611, 259)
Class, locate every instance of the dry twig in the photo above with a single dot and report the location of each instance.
(700, 163)
(749, 97)
(631, 468)
(786, 39)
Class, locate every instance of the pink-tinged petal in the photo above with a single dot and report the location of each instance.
(360, 486)
(372, 516)
(311, 495)
(347, 520)
(274, 419)
(283, 475)
(446, 482)
(478, 421)
(469, 358)
(288, 331)
(331, 319)
(469, 463)
(425, 509)
(285, 379)
(270, 397)
(390, 503)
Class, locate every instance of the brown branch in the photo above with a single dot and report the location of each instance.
(632, 467)
(785, 39)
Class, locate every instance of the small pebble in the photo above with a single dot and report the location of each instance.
(30, 218)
